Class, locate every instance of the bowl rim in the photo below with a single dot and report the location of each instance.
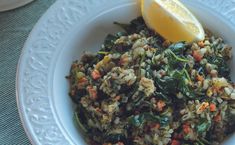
(17, 86)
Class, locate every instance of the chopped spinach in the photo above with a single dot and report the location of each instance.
(135, 25)
(140, 119)
(222, 66)
(178, 48)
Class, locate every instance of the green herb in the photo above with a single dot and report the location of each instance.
(204, 141)
(178, 48)
(176, 57)
(135, 25)
(222, 66)
(109, 43)
(115, 138)
(187, 75)
(175, 82)
(202, 127)
(112, 106)
(78, 122)
(103, 52)
(139, 120)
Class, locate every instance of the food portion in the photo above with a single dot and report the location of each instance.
(141, 89)
(172, 20)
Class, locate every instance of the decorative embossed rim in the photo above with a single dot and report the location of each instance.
(28, 127)
(54, 133)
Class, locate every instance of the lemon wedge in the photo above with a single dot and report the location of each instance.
(172, 20)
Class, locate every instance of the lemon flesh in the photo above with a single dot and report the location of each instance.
(172, 20)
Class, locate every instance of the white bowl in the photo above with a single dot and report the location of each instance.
(12, 4)
(69, 28)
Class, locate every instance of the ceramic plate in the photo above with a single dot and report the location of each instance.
(67, 29)
(11, 4)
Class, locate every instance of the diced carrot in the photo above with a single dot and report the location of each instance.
(186, 129)
(199, 78)
(92, 92)
(175, 142)
(155, 126)
(82, 82)
(160, 105)
(98, 109)
(201, 44)
(212, 107)
(197, 56)
(117, 98)
(95, 74)
(217, 118)
(202, 107)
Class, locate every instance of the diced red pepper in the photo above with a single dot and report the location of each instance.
(197, 56)
(212, 107)
(175, 142)
(186, 129)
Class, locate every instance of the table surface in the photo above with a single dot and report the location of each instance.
(15, 25)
